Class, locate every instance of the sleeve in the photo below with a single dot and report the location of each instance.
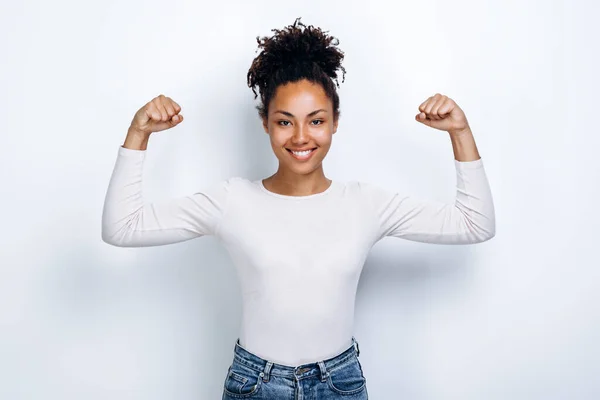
(470, 219)
(128, 221)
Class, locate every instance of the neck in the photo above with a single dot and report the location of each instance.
(293, 184)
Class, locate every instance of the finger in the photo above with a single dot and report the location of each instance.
(435, 110)
(428, 106)
(421, 117)
(168, 104)
(424, 104)
(431, 105)
(161, 108)
(170, 111)
(174, 110)
(177, 118)
(446, 107)
(175, 106)
(156, 114)
(165, 104)
(153, 112)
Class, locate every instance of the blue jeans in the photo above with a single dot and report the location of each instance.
(252, 377)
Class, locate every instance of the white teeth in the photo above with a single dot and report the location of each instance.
(301, 153)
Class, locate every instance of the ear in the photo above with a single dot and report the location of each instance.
(335, 125)
(265, 125)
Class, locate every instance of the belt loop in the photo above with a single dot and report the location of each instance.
(267, 371)
(324, 372)
(355, 343)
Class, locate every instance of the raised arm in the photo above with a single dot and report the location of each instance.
(129, 221)
(470, 218)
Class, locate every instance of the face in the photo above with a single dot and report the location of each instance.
(300, 117)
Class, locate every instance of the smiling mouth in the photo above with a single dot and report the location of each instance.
(303, 156)
(313, 149)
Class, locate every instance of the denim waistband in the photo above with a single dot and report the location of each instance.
(266, 367)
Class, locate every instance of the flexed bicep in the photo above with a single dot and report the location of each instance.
(129, 221)
(469, 219)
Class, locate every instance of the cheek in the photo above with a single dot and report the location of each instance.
(323, 139)
(278, 142)
(276, 137)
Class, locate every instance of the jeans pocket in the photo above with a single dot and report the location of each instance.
(242, 381)
(347, 378)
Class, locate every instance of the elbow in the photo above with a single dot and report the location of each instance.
(108, 231)
(492, 231)
(487, 232)
(117, 241)
(115, 232)
(488, 235)
(110, 238)
(478, 230)
(114, 235)
(480, 225)
(107, 234)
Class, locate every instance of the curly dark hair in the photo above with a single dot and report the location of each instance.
(293, 54)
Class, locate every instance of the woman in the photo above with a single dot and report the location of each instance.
(298, 239)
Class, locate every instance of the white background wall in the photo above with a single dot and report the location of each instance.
(513, 318)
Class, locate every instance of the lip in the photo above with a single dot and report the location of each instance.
(303, 158)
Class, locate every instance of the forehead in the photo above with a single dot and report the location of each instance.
(300, 96)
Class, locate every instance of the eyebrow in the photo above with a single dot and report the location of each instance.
(292, 115)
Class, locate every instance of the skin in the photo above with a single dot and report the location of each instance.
(299, 130)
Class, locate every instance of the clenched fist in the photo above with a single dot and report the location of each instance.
(441, 112)
(158, 114)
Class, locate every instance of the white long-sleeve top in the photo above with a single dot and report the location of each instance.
(298, 258)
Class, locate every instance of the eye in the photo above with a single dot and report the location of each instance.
(318, 120)
(279, 122)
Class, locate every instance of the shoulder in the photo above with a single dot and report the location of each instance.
(372, 193)
(237, 184)
(236, 180)
(233, 182)
(222, 187)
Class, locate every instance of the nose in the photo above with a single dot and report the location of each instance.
(300, 135)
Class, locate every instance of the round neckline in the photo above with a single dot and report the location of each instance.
(284, 196)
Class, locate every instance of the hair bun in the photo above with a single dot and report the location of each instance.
(293, 47)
